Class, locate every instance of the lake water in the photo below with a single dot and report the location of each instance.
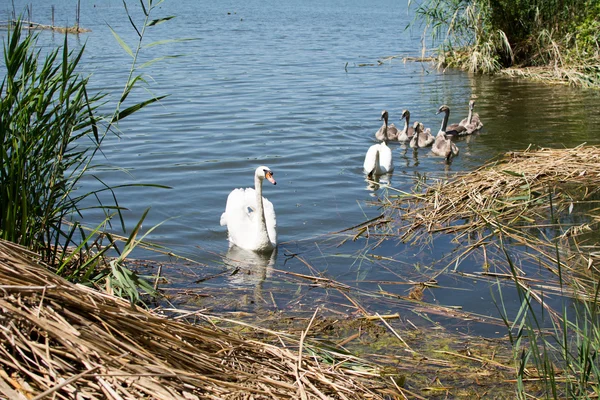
(296, 85)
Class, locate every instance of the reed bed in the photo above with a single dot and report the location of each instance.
(65, 341)
(582, 75)
(521, 214)
(553, 41)
(519, 197)
(512, 189)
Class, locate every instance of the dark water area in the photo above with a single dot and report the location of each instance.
(297, 86)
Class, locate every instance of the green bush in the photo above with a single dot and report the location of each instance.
(486, 36)
(587, 28)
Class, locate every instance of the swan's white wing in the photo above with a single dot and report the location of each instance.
(370, 159)
(386, 159)
(241, 219)
(239, 216)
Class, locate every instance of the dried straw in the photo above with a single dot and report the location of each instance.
(514, 189)
(577, 75)
(518, 198)
(61, 29)
(63, 341)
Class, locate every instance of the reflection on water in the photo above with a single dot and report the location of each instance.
(375, 182)
(250, 269)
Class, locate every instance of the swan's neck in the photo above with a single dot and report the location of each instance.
(470, 116)
(445, 121)
(406, 124)
(262, 223)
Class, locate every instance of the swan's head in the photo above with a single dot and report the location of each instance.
(444, 108)
(263, 172)
(417, 126)
(471, 104)
(405, 114)
(384, 115)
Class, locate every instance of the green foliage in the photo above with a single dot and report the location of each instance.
(47, 126)
(486, 36)
(587, 30)
(464, 35)
(49, 135)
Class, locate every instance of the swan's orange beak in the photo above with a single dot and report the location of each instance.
(269, 176)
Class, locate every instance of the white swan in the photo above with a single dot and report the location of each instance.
(249, 217)
(379, 158)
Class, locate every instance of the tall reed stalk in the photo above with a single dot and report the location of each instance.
(47, 129)
(561, 354)
(50, 133)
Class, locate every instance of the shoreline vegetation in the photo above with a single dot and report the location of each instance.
(63, 340)
(30, 25)
(548, 41)
(73, 319)
(539, 205)
(183, 353)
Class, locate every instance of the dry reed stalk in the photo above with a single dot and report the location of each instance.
(511, 190)
(514, 197)
(575, 75)
(61, 29)
(67, 341)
